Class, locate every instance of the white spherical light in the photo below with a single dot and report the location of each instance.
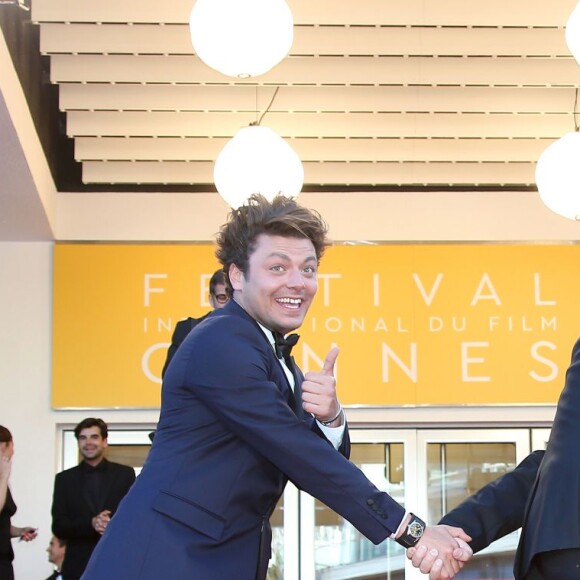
(241, 38)
(558, 176)
(572, 33)
(257, 160)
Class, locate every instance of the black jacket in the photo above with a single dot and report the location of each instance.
(182, 329)
(72, 511)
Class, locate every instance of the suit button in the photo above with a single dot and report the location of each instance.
(370, 502)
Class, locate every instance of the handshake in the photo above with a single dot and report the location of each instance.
(440, 551)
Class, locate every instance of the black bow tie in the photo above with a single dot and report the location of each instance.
(283, 346)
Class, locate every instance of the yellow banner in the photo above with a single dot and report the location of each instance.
(416, 324)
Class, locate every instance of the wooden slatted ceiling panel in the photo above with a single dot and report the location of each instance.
(59, 38)
(412, 125)
(127, 97)
(419, 12)
(337, 174)
(453, 92)
(330, 70)
(374, 150)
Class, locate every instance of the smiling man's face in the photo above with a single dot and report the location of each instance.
(92, 445)
(280, 283)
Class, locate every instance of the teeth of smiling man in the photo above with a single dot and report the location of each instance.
(290, 301)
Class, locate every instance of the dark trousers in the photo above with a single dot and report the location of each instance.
(556, 565)
(6, 571)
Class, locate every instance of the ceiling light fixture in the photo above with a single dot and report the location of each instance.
(558, 174)
(241, 38)
(572, 33)
(257, 160)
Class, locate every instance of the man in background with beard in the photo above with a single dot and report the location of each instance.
(86, 496)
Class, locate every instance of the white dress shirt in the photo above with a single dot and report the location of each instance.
(333, 434)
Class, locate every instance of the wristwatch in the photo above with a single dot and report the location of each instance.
(415, 529)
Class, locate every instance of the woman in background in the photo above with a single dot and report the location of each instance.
(8, 509)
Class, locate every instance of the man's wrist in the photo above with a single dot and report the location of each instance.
(337, 417)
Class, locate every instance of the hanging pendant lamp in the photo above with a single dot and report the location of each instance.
(572, 33)
(257, 160)
(558, 176)
(241, 38)
(558, 168)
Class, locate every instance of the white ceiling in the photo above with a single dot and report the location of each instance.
(424, 119)
(375, 93)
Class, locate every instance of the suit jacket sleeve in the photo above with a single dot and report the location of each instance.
(344, 448)
(498, 508)
(240, 391)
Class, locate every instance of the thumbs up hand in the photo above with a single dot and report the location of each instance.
(319, 392)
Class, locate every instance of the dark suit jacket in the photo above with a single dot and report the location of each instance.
(72, 511)
(182, 329)
(229, 436)
(540, 495)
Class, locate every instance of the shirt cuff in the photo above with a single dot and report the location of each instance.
(393, 536)
(333, 434)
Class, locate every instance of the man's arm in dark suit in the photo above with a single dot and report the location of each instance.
(182, 329)
(498, 508)
(242, 392)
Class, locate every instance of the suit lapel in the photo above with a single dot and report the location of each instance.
(232, 307)
(296, 396)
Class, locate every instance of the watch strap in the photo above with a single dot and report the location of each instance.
(413, 532)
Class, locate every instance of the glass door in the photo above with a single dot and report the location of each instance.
(429, 471)
(331, 548)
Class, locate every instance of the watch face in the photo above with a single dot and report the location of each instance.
(415, 529)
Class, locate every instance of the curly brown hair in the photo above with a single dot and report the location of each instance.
(283, 216)
(5, 435)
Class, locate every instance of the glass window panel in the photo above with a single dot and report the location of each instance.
(540, 438)
(133, 455)
(276, 565)
(457, 470)
(341, 552)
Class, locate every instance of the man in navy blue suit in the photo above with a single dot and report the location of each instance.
(238, 419)
(540, 496)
